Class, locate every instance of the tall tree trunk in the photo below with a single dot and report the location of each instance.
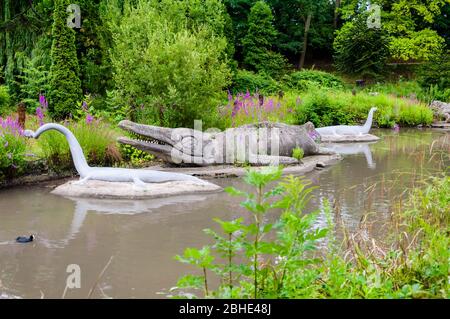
(305, 41)
(336, 14)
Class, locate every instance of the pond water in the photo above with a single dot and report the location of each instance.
(143, 236)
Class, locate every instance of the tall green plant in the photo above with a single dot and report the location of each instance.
(169, 69)
(65, 84)
(361, 50)
(259, 41)
(259, 256)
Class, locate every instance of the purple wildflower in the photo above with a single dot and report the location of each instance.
(10, 126)
(6, 144)
(40, 115)
(43, 102)
(89, 119)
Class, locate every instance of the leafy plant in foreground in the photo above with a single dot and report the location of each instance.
(258, 256)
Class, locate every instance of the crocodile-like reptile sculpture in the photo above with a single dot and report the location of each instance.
(264, 143)
(109, 174)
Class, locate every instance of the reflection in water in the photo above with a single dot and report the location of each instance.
(143, 236)
(108, 206)
(353, 149)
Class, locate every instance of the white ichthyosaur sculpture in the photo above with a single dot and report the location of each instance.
(349, 129)
(109, 174)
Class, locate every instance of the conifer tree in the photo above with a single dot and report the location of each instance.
(65, 85)
(258, 43)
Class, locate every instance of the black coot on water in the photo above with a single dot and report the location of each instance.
(22, 239)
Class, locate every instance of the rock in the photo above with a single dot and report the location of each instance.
(120, 190)
(441, 110)
(320, 164)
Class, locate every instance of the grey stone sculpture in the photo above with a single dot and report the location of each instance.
(263, 143)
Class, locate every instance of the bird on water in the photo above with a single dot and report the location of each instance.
(22, 239)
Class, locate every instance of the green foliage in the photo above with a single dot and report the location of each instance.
(436, 73)
(328, 107)
(244, 81)
(4, 98)
(259, 259)
(65, 85)
(12, 155)
(258, 43)
(169, 69)
(304, 79)
(136, 157)
(34, 82)
(290, 17)
(97, 140)
(298, 153)
(361, 50)
(419, 46)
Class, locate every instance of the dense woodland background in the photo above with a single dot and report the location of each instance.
(168, 61)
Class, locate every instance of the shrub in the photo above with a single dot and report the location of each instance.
(12, 148)
(257, 44)
(304, 79)
(248, 109)
(65, 85)
(298, 153)
(361, 50)
(244, 81)
(136, 157)
(4, 98)
(170, 69)
(421, 45)
(328, 107)
(434, 76)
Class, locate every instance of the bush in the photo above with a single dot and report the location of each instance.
(4, 98)
(298, 153)
(422, 45)
(96, 138)
(304, 79)
(249, 109)
(12, 148)
(361, 50)
(169, 69)
(248, 81)
(434, 77)
(328, 107)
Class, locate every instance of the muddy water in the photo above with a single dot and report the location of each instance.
(143, 236)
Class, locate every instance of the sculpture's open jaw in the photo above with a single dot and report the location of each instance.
(153, 139)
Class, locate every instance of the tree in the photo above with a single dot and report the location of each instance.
(359, 49)
(169, 62)
(413, 26)
(258, 43)
(65, 85)
(291, 17)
